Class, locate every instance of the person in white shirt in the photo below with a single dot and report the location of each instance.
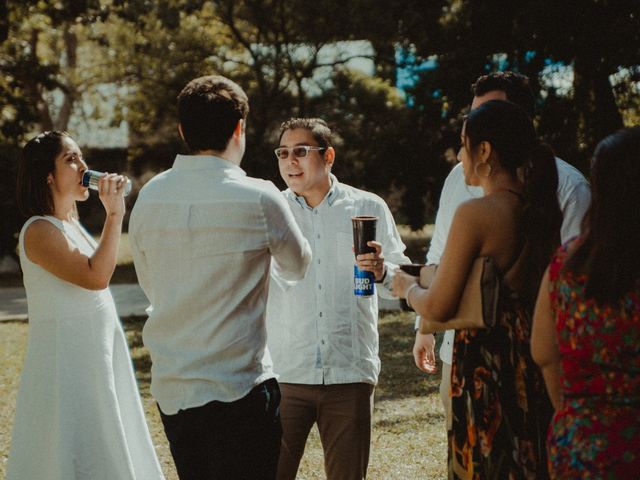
(323, 338)
(204, 239)
(574, 197)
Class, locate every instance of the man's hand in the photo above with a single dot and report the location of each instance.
(372, 262)
(424, 352)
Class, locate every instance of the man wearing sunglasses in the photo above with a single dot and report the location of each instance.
(323, 338)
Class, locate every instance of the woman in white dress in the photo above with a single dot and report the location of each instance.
(78, 413)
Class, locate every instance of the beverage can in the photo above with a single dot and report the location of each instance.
(90, 180)
(363, 282)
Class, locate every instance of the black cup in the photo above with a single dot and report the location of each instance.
(414, 270)
(364, 230)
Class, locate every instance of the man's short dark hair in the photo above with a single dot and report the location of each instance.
(318, 128)
(515, 86)
(209, 109)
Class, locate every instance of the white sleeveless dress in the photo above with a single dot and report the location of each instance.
(78, 414)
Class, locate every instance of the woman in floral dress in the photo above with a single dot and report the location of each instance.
(500, 407)
(587, 326)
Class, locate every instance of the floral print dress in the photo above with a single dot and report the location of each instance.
(500, 406)
(596, 433)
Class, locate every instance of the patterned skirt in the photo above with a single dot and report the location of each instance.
(500, 406)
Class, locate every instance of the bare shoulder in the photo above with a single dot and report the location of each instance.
(41, 230)
(467, 223)
(490, 220)
(474, 209)
(42, 237)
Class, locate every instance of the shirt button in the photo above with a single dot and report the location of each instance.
(320, 314)
(316, 212)
(318, 236)
(319, 287)
(322, 342)
(318, 261)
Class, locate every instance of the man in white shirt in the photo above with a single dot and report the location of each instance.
(574, 197)
(204, 238)
(323, 338)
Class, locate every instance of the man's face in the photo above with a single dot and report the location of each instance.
(491, 95)
(465, 155)
(309, 175)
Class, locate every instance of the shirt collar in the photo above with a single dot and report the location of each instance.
(330, 197)
(209, 162)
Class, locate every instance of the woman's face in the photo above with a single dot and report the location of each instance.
(465, 157)
(66, 178)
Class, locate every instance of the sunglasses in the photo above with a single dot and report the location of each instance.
(282, 153)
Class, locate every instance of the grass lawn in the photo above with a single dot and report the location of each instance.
(408, 438)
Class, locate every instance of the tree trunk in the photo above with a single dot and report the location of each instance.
(4, 21)
(35, 91)
(70, 94)
(598, 113)
(385, 60)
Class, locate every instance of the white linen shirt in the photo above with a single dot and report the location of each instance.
(574, 197)
(319, 332)
(203, 236)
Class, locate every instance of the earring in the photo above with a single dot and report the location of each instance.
(483, 169)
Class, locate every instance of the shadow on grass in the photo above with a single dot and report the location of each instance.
(398, 424)
(399, 377)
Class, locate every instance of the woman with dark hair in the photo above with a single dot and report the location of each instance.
(78, 413)
(499, 405)
(586, 330)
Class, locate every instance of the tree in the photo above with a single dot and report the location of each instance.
(595, 37)
(54, 53)
(42, 80)
(40, 59)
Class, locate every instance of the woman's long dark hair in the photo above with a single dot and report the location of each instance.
(511, 133)
(37, 161)
(610, 252)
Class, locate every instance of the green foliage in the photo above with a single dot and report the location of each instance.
(55, 53)
(595, 37)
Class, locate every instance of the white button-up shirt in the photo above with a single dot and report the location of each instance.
(203, 237)
(319, 332)
(574, 197)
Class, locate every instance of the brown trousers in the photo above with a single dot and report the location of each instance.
(343, 414)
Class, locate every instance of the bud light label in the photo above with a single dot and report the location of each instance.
(363, 282)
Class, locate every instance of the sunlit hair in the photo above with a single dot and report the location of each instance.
(610, 252)
(37, 161)
(209, 109)
(512, 136)
(515, 86)
(318, 128)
